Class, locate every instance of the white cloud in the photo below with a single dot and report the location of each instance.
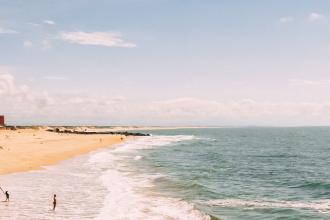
(60, 78)
(22, 103)
(245, 111)
(33, 24)
(304, 82)
(106, 39)
(27, 44)
(15, 98)
(6, 84)
(314, 17)
(46, 44)
(50, 22)
(7, 31)
(287, 19)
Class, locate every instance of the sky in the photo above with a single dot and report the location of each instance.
(165, 62)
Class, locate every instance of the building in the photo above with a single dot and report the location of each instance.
(2, 121)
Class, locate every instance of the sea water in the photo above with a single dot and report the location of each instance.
(211, 173)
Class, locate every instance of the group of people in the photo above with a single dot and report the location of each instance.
(7, 198)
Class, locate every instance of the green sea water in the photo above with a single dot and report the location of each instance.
(245, 173)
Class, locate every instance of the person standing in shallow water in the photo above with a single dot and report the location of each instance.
(54, 202)
(7, 196)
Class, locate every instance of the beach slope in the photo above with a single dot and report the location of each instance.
(30, 149)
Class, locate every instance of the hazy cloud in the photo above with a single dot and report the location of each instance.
(55, 78)
(46, 44)
(106, 39)
(313, 17)
(7, 31)
(22, 103)
(50, 22)
(33, 24)
(27, 44)
(286, 19)
(304, 82)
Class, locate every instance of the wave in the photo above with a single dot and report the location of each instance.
(151, 142)
(319, 205)
(129, 192)
(282, 156)
(314, 185)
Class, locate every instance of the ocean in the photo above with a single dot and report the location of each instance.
(186, 174)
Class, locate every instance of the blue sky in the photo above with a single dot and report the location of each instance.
(165, 62)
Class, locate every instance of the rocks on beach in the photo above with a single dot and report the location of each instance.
(86, 132)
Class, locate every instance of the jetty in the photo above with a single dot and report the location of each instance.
(70, 131)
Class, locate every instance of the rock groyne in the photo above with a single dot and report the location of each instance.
(68, 131)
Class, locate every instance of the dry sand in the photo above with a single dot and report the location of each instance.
(29, 149)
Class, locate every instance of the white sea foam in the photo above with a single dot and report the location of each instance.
(138, 157)
(319, 205)
(76, 184)
(129, 195)
(128, 199)
(151, 142)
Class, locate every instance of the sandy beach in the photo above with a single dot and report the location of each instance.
(30, 149)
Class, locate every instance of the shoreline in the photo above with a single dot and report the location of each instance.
(24, 150)
(27, 148)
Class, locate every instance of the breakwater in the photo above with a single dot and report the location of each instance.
(69, 131)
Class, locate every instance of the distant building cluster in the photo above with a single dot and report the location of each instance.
(2, 121)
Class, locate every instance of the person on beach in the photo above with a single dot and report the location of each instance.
(54, 202)
(7, 196)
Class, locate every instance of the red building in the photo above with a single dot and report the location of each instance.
(2, 120)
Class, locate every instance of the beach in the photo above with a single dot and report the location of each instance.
(30, 149)
(109, 182)
(174, 174)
